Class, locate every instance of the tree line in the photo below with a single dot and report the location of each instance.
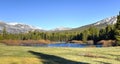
(111, 32)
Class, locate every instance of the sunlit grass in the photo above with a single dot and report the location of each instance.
(20, 55)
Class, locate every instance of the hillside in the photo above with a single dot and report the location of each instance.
(99, 24)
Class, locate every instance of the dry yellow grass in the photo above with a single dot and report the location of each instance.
(19, 60)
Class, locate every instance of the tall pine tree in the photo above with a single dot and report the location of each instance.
(4, 32)
(117, 30)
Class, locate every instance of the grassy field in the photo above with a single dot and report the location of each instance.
(57, 55)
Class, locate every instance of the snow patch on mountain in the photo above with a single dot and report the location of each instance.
(108, 21)
(13, 23)
(22, 25)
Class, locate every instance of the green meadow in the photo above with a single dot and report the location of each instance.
(58, 55)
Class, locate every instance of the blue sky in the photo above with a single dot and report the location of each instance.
(49, 14)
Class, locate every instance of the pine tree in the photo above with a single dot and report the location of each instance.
(4, 32)
(85, 34)
(117, 30)
(109, 32)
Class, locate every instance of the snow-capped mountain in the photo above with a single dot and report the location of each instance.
(99, 24)
(107, 21)
(17, 27)
(21, 25)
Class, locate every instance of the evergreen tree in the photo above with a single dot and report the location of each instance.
(4, 33)
(109, 32)
(102, 34)
(117, 30)
(85, 34)
(93, 34)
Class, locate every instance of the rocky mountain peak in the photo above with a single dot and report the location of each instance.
(108, 21)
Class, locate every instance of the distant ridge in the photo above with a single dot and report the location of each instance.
(24, 28)
(17, 27)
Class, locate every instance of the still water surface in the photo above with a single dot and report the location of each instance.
(62, 44)
(71, 45)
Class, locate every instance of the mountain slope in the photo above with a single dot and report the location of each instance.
(99, 24)
(17, 27)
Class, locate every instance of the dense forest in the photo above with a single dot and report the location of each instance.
(111, 32)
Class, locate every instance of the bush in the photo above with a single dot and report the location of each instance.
(107, 43)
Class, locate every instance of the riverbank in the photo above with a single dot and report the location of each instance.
(24, 42)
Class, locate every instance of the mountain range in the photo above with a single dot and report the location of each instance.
(17, 27)
(23, 28)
